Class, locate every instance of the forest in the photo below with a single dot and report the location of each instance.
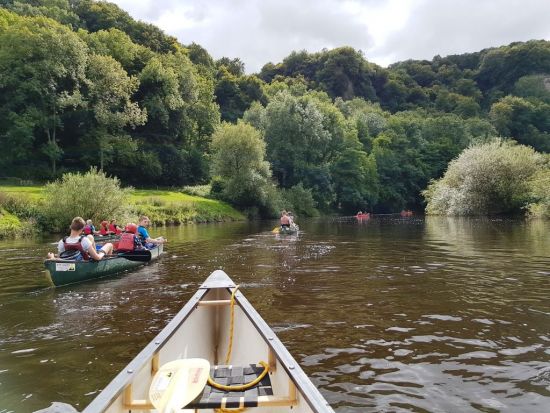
(84, 85)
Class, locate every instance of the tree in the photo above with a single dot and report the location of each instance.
(525, 121)
(356, 180)
(41, 70)
(119, 46)
(111, 110)
(238, 158)
(488, 178)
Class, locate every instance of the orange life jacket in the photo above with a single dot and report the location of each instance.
(126, 242)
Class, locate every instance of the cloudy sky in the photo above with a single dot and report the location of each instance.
(386, 31)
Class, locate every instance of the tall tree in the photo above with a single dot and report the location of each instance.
(42, 65)
(108, 99)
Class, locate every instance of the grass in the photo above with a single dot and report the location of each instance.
(32, 192)
(162, 206)
(11, 226)
(171, 207)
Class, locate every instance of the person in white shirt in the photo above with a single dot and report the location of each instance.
(83, 243)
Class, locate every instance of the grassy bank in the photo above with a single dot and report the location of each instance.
(20, 205)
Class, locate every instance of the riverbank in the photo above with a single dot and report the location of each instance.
(20, 208)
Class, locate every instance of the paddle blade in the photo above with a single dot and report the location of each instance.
(139, 255)
(276, 230)
(178, 383)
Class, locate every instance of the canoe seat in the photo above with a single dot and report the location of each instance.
(212, 398)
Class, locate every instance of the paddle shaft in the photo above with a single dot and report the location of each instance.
(139, 255)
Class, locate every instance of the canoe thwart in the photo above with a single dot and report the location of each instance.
(213, 303)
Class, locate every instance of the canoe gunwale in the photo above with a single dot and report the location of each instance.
(116, 387)
(310, 393)
(217, 280)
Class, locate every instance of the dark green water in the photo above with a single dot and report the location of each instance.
(393, 315)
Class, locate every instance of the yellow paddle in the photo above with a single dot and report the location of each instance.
(276, 230)
(178, 383)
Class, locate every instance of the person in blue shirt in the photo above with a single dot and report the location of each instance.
(144, 236)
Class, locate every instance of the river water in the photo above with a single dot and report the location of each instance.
(389, 314)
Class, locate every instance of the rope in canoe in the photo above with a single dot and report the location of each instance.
(241, 387)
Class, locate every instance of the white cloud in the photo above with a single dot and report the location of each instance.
(385, 30)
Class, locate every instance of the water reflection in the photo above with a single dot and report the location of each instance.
(393, 314)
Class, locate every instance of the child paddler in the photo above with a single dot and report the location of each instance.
(144, 236)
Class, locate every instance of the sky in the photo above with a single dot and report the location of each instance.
(386, 31)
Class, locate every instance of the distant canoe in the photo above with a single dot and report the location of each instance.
(100, 239)
(363, 216)
(62, 272)
(201, 332)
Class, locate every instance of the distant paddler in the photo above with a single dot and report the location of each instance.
(285, 220)
(144, 236)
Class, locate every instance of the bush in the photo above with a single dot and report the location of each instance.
(92, 195)
(540, 192)
(490, 178)
(197, 190)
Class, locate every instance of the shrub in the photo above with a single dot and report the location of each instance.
(540, 192)
(92, 195)
(197, 190)
(489, 178)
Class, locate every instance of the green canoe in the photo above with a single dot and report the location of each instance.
(62, 272)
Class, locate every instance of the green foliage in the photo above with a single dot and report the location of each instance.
(238, 158)
(356, 180)
(21, 205)
(197, 190)
(42, 66)
(59, 10)
(539, 206)
(300, 201)
(170, 207)
(533, 86)
(111, 110)
(84, 84)
(489, 178)
(102, 15)
(92, 195)
(11, 226)
(525, 121)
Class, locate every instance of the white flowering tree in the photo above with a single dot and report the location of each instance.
(488, 178)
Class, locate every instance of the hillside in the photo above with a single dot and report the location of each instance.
(83, 84)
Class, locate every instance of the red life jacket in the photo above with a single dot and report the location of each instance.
(77, 246)
(87, 230)
(114, 229)
(103, 230)
(126, 242)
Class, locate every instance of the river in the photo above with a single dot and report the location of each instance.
(390, 314)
